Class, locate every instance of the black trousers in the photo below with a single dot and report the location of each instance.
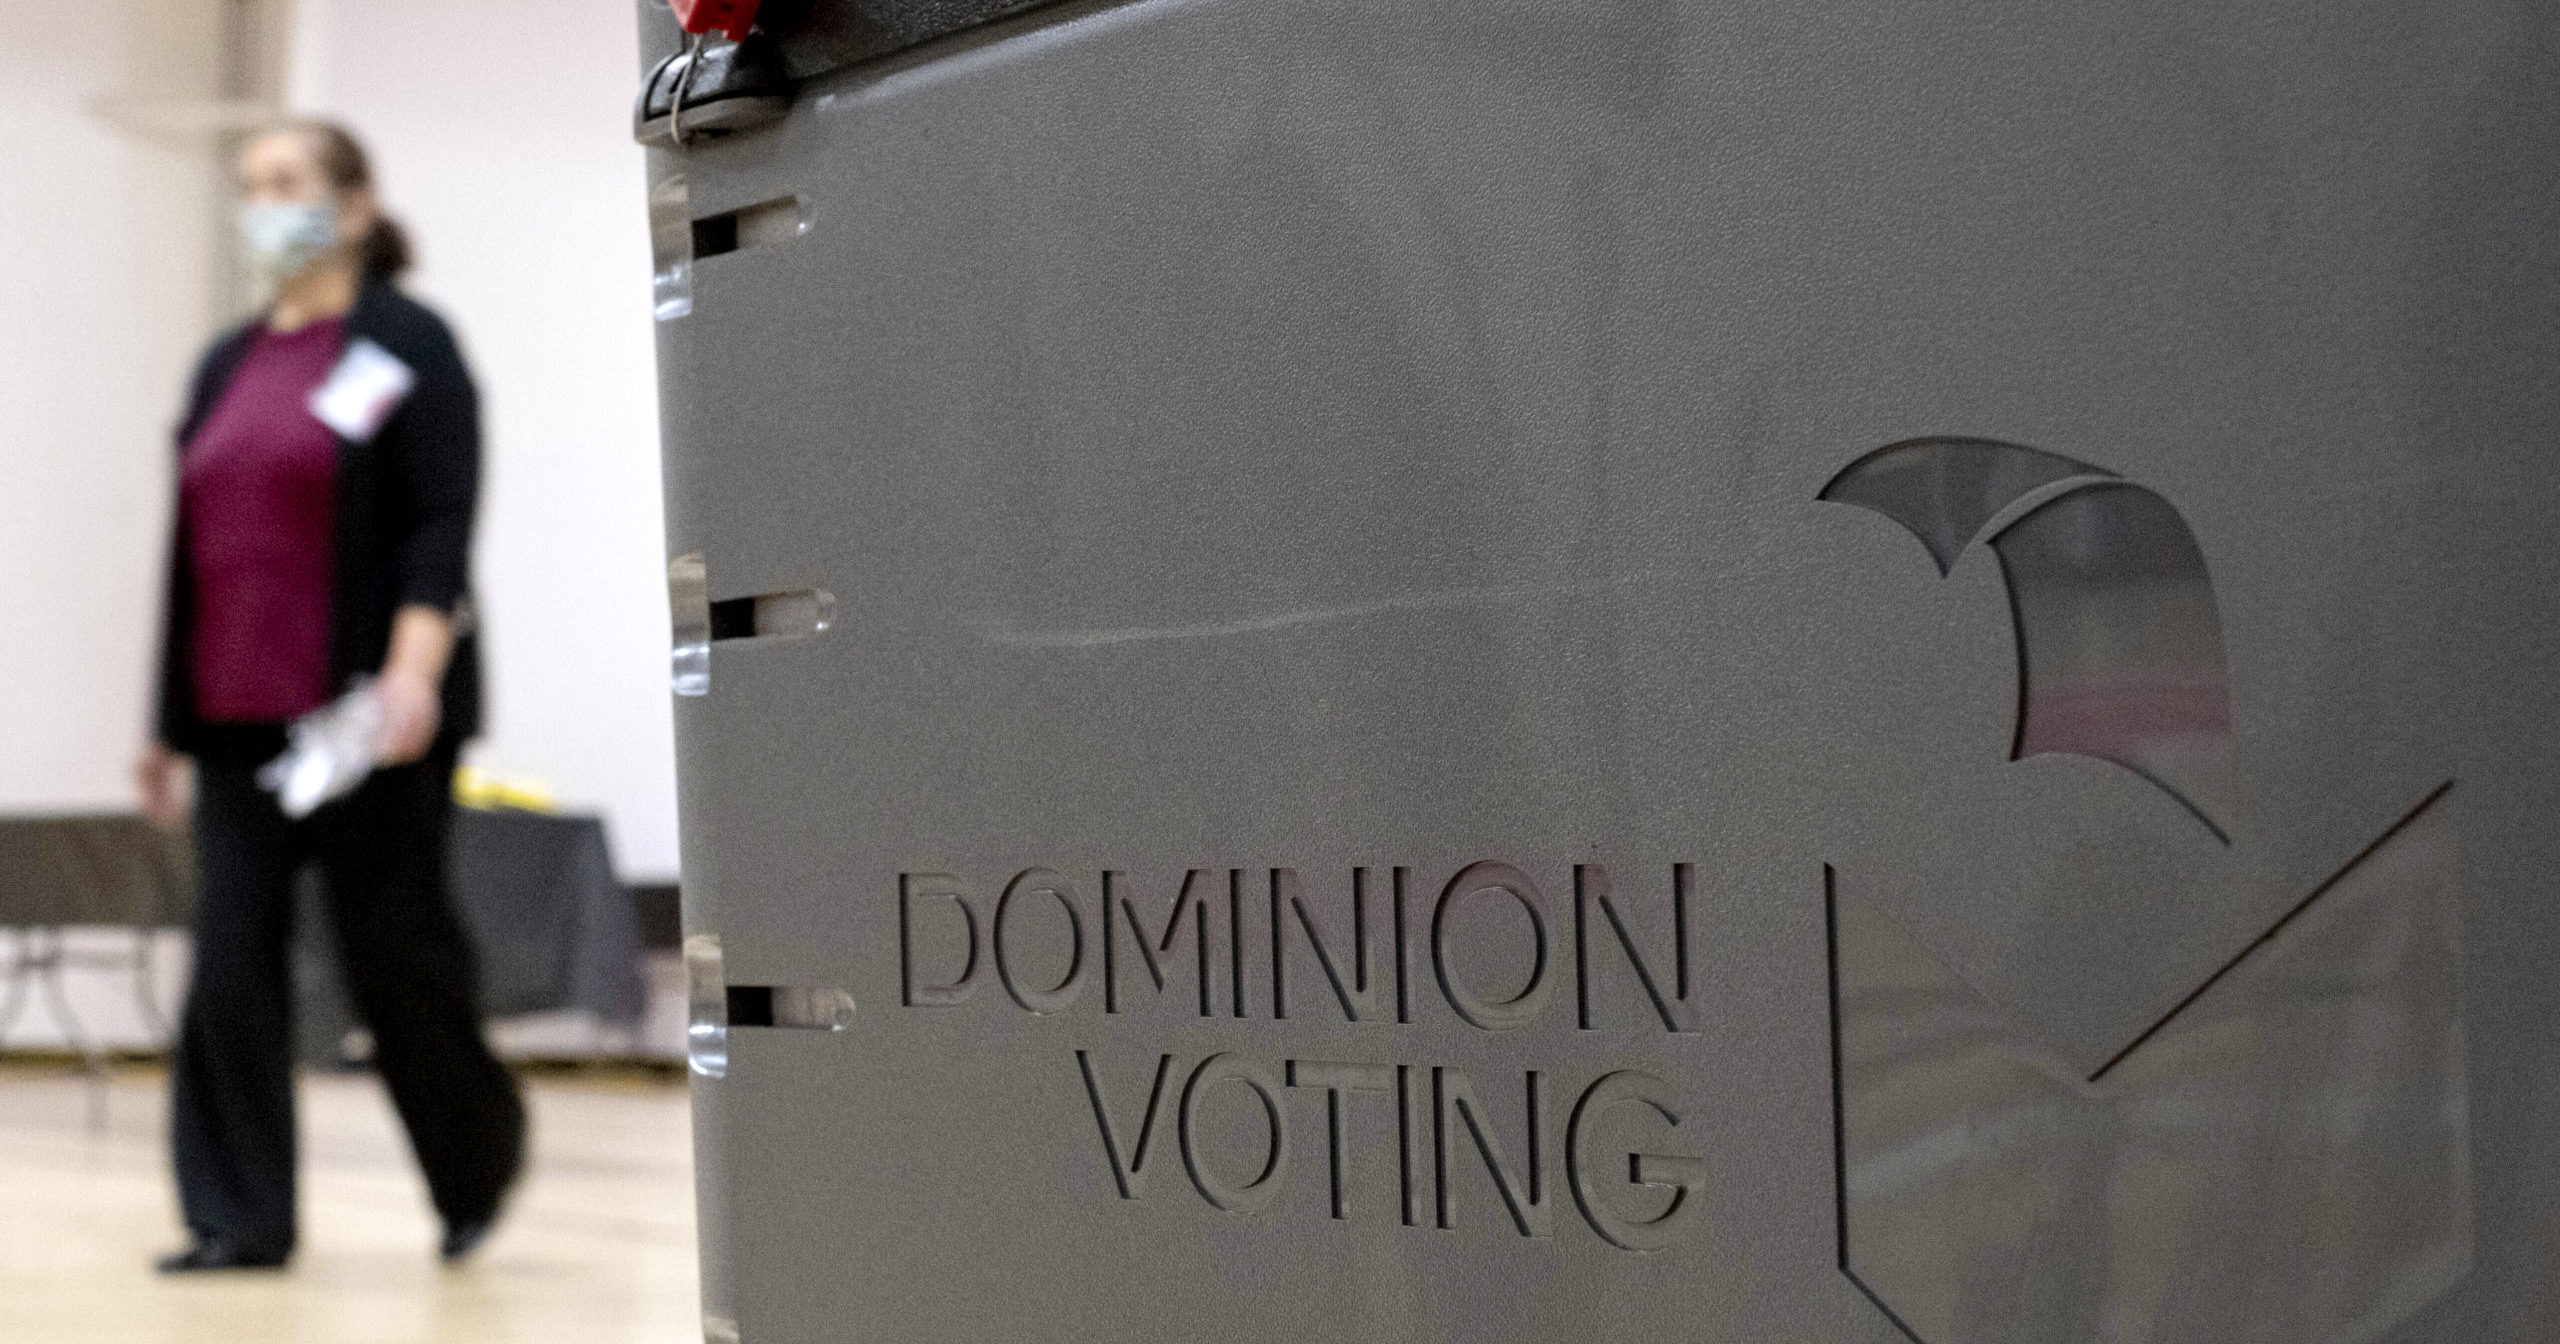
(409, 969)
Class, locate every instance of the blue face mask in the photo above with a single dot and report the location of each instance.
(283, 238)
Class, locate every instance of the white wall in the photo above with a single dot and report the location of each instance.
(500, 126)
(501, 136)
(108, 289)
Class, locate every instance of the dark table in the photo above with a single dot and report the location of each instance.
(554, 928)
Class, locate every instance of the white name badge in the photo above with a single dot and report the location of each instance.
(367, 385)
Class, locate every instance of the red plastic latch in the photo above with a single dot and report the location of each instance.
(730, 17)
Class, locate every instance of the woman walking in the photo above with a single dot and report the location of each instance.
(329, 463)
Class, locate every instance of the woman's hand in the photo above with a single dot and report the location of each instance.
(167, 784)
(412, 682)
(410, 709)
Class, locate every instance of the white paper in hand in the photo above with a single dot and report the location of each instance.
(362, 391)
(328, 752)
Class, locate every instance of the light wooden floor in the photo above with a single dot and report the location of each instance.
(596, 1246)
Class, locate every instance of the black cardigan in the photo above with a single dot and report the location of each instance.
(403, 520)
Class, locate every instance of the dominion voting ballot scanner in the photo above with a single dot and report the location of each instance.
(1650, 670)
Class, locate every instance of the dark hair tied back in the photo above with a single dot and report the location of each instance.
(386, 249)
(343, 161)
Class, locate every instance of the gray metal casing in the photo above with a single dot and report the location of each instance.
(1314, 436)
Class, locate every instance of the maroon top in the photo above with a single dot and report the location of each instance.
(258, 487)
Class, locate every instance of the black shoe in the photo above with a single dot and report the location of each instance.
(461, 1239)
(462, 1236)
(211, 1253)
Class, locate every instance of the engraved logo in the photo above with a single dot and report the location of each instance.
(2281, 1154)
